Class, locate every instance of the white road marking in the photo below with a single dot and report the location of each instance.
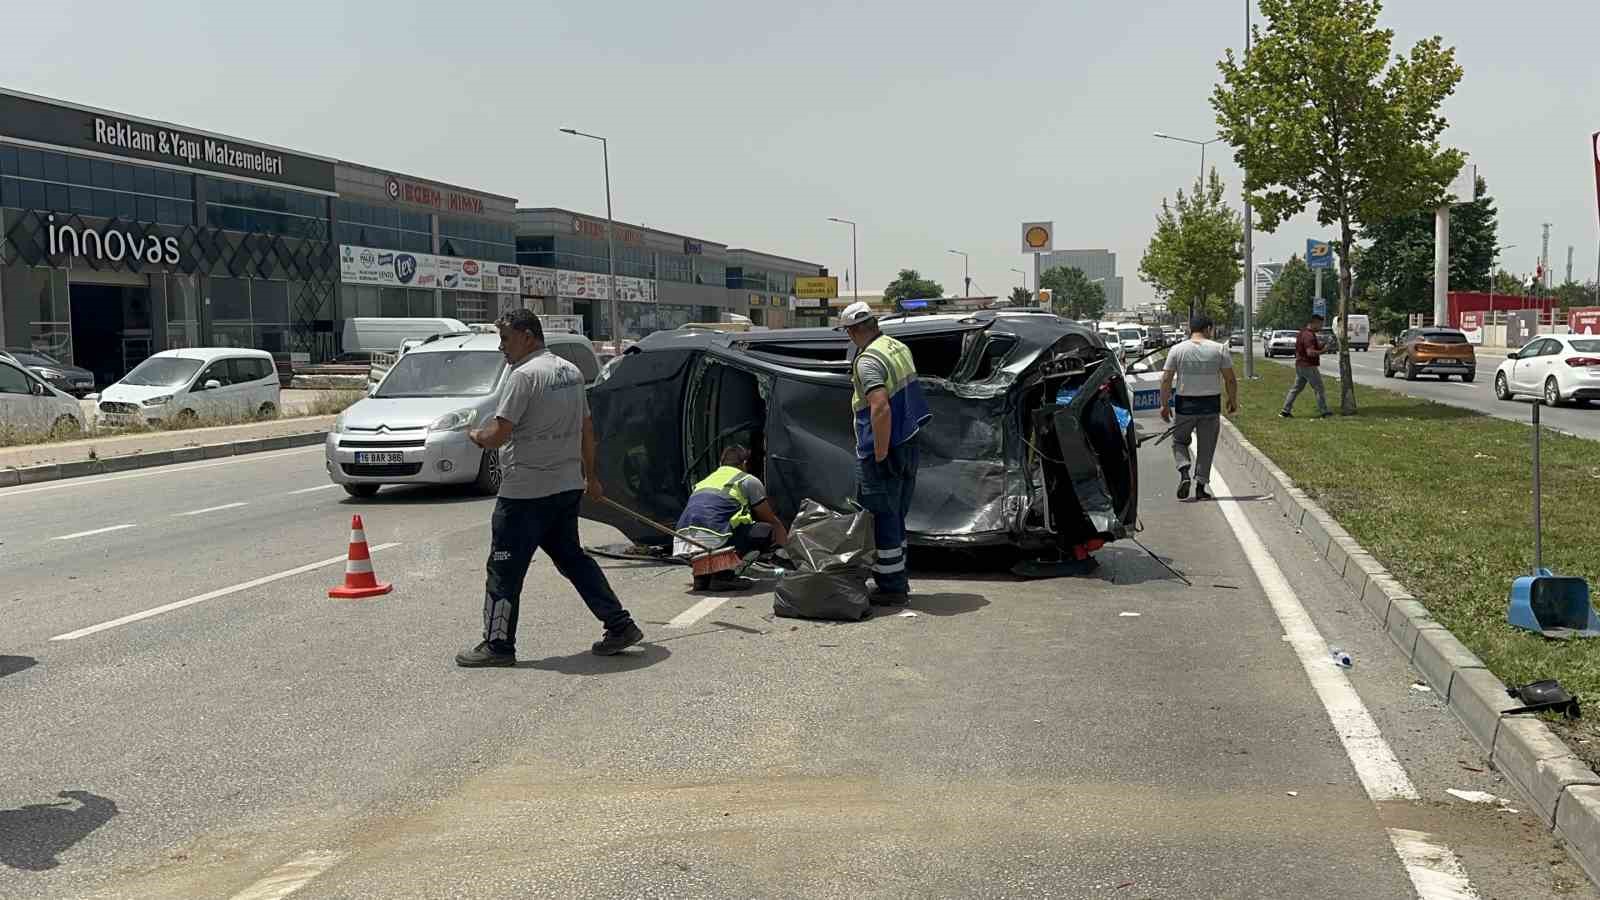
(320, 487)
(1434, 870)
(179, 469)
(79, 534)
(211, 595)
(291, 876)
(212, 509)
(696, 612)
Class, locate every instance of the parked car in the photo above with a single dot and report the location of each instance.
(1236, 339)
(193, 383)
(1281, 343)
(1558, 368)
(412, 428)
(27, 403)
(1024, 449)
(1436, 351)
(68, 379)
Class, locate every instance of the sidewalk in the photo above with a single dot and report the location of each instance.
(108, 449)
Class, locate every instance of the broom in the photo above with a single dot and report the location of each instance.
(710, 562)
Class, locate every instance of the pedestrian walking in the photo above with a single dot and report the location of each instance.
(889, 409)
(1307, 369)
(1196, 374)
(546, 442)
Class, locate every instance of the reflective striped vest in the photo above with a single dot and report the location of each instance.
(717, 504)
(907, 405)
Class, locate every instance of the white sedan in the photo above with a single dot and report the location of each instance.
(1281, 343)
(28, 404)
(1557, 367)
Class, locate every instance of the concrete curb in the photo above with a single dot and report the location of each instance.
(1561, 787)
(12, 476)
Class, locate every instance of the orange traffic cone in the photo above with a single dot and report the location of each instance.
(359, 581)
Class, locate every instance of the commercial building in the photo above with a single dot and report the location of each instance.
(1095, 264)
(122, 236)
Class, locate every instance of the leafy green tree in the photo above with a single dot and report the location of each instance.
(1193, 257)
(1509, 285)
(1398, 264)
(1573, 294)
(1320, 114)
(1021, 296)
(1288, 303)
(910, 285)
(1072, 294)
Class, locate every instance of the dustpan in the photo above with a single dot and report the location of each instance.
(1553, 605)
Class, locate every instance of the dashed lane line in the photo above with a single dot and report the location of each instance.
(93, 531)
(212, 509)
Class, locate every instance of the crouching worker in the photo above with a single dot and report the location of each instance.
(729, 505)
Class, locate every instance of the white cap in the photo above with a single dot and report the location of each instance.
(855, 314)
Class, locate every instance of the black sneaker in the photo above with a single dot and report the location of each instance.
(1183, 489)
(617, 641)
(880, 597)
(1200, 492)
(1285, 414)
(484, 656)
(1326, 415)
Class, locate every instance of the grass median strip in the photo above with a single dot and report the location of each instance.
(1443, 498)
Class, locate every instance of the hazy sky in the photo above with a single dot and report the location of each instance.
(935, 126)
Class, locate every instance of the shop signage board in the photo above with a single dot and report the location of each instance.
(824, 287)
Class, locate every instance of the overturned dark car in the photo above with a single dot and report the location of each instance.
(1031, 445)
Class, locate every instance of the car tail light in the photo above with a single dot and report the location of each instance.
(1581, 361)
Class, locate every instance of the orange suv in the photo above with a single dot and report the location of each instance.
(1437, 351)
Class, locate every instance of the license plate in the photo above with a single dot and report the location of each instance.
(379, 458)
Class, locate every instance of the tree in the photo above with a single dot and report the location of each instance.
(910, 285)
(1193, 257)
(1573, 294)
(1021, 296)
(1509, 285)
(1073, 294)
(1319, 114)
(1288, 303)
(1398, 265)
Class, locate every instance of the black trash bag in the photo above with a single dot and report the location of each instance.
(833, 554)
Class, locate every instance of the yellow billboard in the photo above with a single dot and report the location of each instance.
(820, 288)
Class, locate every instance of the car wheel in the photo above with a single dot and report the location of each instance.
(1552, 392)
(1411, 370)
(488, 480)
(362, 491)
(1467, 378)
(1502, 389)
(267, 411)
(64, 426)
(185, 418)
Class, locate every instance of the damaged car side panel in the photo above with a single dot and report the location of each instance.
(1003, 463)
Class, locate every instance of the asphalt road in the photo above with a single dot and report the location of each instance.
(1010, 739)
(1477, 396)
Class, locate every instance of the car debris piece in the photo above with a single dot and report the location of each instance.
(1543, 696)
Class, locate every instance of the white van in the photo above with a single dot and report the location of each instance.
(198, 382)
(386, 335)
(1360, 332)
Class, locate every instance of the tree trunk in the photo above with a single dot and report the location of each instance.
(1347, 382)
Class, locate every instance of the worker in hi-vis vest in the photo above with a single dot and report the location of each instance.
(729, 505)
(889, 410)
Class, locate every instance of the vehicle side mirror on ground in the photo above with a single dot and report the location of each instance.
(212, 384)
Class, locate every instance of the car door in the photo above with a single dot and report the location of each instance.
(1527, 374)
(20, 406)
(253, 390)
(209, 402)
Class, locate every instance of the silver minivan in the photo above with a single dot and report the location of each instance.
(412, 427)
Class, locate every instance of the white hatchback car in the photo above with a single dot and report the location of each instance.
(192, 384)
(29, 404)
(1557, 367)
(412, 428)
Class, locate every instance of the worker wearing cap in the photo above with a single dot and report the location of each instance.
(889, 410)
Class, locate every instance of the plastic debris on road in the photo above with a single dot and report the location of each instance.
(1473, 796)
(1129, 615)
(1341, 658)
(908, 614)
(1421, 688)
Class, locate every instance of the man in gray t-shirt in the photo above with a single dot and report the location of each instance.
(1198, 371)
(546, 442)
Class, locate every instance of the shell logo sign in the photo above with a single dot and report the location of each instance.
(1037, 237)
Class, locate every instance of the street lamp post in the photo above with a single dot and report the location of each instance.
(1491, 279)
(1201, 144)
(1024, 279)
(855, 264)
(966, 273)
(611, 244)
